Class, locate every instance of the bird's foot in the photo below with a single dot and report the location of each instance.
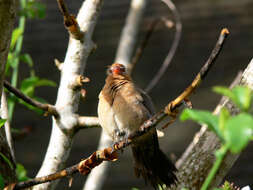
(121, 138)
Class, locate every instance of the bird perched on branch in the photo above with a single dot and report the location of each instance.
(122, 108)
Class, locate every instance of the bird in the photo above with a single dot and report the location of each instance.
(122, 109)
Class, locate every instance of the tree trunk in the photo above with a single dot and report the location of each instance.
(7, 18)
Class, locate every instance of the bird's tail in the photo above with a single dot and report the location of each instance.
(151, 163)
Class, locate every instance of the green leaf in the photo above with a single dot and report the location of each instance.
(29, 106)
(21, 173)
(1, 182)
(6, 160)
(225, 91)
(224, 116)
(8, 63)
(202, 117)
(45, 82)
(243, 97)
(34, 9)
(240, 95)
(227, 186)
(2, 122)
(27, 59)
(238, 132)
(28, 85)
(17, 32)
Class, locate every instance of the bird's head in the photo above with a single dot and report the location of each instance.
(116, 69)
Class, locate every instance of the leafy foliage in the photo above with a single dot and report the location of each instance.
(33, 9)
(235, 132)
(6, 160)
(29, 9)
(21, 173)
(240, 95)
(227, 186)
(2, 122)
(1, 182)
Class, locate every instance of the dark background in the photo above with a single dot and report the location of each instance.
(202, 21)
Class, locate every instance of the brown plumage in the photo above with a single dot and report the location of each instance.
(122, 109)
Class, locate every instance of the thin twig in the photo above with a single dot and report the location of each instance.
(70, 21)
(174, 46)
(58, 64)
(110, 154)
(144, 42)
(204, 70)
(46, 107)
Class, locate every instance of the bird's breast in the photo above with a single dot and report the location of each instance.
(124, 116)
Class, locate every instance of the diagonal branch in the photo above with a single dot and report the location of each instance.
(110, 154)
(84, 167)
(46, 107)
(201, 75)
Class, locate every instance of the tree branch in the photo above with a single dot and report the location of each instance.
(174, 46)
(98, 175)
(203, 72)
(84, 167)
(46, 107)
(70, 22)
(144, 42)
(87, 122)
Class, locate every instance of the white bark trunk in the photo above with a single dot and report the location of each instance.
(129, 33)
(68, 97)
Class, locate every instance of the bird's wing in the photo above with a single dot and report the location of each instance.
(147, 102)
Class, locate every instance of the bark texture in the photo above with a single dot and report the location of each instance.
(7, 18)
